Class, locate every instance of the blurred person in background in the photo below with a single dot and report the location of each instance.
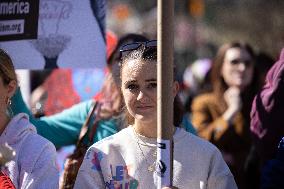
(59, 89)
(196, 80)
(267, 126)
(33, 165)
(253, 162)
(223, 115)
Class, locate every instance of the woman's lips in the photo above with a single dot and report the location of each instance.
(144, 107)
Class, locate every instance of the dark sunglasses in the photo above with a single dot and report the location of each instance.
(125, 49)
(237, 61)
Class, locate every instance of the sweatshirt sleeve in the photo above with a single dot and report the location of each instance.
(220, 176)
(61, 129)
(90, 173)
(44, 173)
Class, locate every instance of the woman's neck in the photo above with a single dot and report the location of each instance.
(4, 120)
(146, 129)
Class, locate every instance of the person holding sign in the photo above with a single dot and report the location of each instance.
(128, 159)
(29, 158)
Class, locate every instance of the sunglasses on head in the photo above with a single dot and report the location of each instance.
(125, 49)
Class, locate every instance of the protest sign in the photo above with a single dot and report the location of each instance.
(18, 19)
(70, 35)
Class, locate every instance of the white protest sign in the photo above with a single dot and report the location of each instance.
(70, 35)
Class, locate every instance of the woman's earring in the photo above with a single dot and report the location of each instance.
(9, 111)
(8, 101)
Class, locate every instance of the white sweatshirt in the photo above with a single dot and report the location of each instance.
(120, 162)
(34, 166)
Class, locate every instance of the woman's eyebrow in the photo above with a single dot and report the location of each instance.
(131, 81)
(149, 80)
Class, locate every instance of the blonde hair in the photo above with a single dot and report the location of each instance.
(7, 70)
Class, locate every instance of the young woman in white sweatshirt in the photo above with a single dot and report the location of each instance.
(128, 159)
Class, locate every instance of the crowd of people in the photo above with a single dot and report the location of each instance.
(228, 139)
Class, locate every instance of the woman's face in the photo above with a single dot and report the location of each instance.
(139, 89)
(237, 69)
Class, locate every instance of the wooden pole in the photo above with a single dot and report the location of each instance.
(165, 93)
